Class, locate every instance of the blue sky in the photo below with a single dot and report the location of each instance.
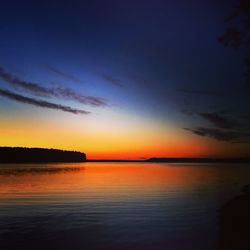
(158, 60)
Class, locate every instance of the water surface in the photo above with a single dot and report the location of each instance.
(115, 205)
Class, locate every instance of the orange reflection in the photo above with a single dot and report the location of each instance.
(100, 180)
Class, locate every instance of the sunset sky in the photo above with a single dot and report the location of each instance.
(122, 79)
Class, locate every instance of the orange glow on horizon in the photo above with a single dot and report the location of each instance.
(124, 138)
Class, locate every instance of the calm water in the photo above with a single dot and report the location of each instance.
(115, 205)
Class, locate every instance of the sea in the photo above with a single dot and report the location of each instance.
(115, 206)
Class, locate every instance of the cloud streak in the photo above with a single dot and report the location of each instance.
(228, 128)
(40, 103)
(233, 136)
(58, 92)
(62, 74)
(112, 80)
(220, 121)
(32, 88)
(69, 94)
(201, 92)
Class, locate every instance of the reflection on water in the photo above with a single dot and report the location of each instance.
(114, 205)
(36, 170)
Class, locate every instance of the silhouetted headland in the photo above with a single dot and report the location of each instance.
(36, 155)
(200, 160)
(234, 222)
(179, 160)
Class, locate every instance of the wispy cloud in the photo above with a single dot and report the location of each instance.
(59, 92)
(221, 121)
(226, 127)
(69, 94)
(40, 103)
(63, 74)
(201, 92)
(31, 87)
(233, 136)
(112, 80)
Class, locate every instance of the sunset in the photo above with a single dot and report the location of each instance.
(148, 80)
(137, 101)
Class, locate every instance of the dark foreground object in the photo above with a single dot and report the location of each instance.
(33, 155)
(234, 222)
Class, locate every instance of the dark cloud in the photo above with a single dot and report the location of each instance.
(187, 112)
(40, 103)
(222, 135)
(201, 92)
(32, 88)
(71, 95)
(112, 80)
(62, 74)
(221, 121)
(226, 127)
(59, 92)
(245, 117)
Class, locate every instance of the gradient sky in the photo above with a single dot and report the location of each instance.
(122, 79)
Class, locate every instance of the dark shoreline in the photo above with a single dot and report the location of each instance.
(43, 155)
(123, 161)
(181, 160)
(38, 155)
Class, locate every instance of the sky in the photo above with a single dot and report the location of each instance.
(122, 79)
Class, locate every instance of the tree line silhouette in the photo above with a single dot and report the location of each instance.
(33, 155)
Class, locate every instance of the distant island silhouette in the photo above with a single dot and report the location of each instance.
(38, 155)
(200, 160)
